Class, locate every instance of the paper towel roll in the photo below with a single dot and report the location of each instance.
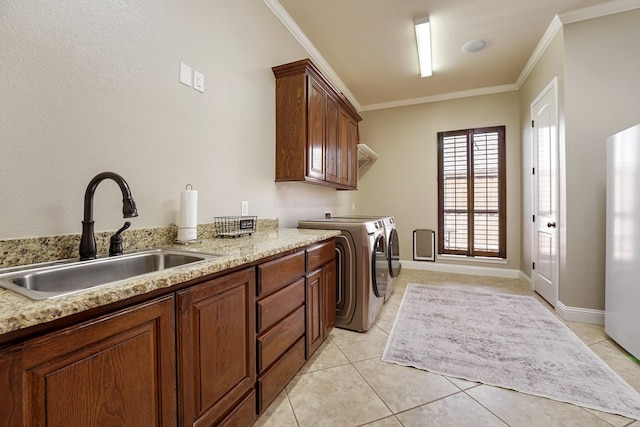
(188, 216)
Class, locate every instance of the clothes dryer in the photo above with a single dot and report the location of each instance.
(392, 246)
(361, 279)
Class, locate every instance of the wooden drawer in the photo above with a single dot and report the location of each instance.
(277, 274)
(275, 341)
(278, 305)
(277, 377)
(320, 254)
(244, 414)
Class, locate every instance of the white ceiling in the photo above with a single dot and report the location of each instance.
(370, 47)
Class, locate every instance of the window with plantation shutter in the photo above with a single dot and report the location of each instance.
(472, 192)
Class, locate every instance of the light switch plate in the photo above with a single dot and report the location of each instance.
(245, 208)
(198, 81)
(185, 74)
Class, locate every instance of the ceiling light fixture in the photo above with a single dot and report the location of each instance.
(423, 37)
(474, 46)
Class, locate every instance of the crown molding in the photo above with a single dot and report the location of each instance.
(543, 44)
(441, 97)
(569, 17)
(598, 10)
(315, 55)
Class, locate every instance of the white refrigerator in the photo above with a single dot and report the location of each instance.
(622, 303)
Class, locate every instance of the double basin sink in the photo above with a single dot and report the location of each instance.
(51, 280)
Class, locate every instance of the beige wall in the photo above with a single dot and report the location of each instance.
(597, 90)
(403, 181)
(550, 65)
(93, 86)
(602, 69)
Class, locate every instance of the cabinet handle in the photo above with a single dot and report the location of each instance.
(551, 224)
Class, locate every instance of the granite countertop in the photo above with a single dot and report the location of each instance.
(18, 312)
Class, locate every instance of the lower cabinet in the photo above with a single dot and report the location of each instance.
(142, 366)
(320, 294)
(315, 327)
(213, 354)
(216, 351)
(118, 369)
(296, 310)
(280, 324)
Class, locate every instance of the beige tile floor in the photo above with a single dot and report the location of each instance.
(346, 384)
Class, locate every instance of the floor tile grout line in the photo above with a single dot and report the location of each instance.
(484, 407)
(596, 414)
(375, 392)
(293, 410)
(429, 403)
(466, 391)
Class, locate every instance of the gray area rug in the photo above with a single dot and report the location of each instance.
(510, 341)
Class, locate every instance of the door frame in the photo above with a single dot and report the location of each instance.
(551, 86)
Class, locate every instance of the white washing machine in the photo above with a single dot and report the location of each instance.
(361, 279)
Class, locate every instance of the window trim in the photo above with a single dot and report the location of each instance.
(502, 194)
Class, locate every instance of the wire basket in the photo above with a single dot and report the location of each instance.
(234, 226)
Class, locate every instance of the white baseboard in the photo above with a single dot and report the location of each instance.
(578, 314)
(526, 279)
(571, 314)
(462, 269)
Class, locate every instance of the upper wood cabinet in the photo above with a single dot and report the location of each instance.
(316, 129)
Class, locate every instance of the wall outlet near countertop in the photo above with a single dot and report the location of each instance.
(327, 214)
(198, 81)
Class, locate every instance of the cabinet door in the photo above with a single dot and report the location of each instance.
(345, 164)
(332, 140)
(329, 293)
(216, 347)
(315, 327)
(347, 146)
(315, 130)
(115, 370)
(352, 154)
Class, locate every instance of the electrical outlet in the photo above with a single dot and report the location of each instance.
(198, 81)
(327, 214)
(245, 208)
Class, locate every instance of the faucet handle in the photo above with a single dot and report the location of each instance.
(115, 245)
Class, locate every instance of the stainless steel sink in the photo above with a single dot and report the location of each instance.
(52, 280)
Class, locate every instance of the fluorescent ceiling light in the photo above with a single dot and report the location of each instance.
(423, 36)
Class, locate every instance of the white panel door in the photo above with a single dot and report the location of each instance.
(545, 194)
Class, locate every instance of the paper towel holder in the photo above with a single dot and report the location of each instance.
(197, 240)
(184, 242)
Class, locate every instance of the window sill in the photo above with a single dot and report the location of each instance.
(482, 259)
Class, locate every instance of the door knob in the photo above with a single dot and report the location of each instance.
(551, 224)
